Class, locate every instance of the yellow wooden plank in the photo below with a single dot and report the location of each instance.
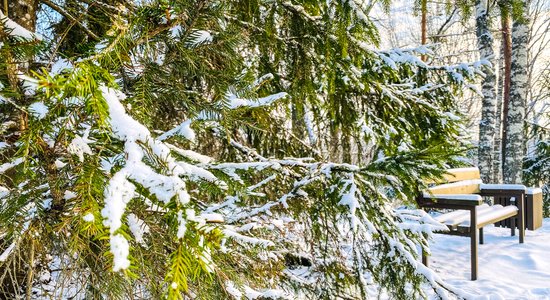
(458, 174)
(464, 187)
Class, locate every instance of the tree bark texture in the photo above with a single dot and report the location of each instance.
(423, 24)
(497, 153)
(507, 53)
(488, 89)
(23, 12)
(515, 146)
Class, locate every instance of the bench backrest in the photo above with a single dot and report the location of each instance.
(458, 174)
(457, 181)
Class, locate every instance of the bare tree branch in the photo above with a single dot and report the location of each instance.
(71, 18)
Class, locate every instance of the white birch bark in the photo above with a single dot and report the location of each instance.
(488, 90)
(515, 146)
(497, 153)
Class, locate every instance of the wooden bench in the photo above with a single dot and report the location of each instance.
(462, 190)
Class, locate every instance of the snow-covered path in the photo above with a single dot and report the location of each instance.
(507, 269)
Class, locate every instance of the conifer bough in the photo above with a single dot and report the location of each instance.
(169, 160)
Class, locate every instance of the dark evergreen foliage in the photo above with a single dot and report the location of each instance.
(317, 171)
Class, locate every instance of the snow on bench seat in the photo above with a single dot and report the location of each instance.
(459, 216)
(515, 187)
(485, 215)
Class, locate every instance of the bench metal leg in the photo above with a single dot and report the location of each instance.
(481, 236)
(473, 242)
(513, 226)
(521, 217)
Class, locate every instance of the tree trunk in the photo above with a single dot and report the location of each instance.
(497, 154)
(423, 24)
(507, 48)
(346, 148)
(298, 122)
(23, 12)
(334, 144)
(488, 85)
(515, 146)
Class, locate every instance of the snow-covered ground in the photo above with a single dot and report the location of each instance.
(507, 269)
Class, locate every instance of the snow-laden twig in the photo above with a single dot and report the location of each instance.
(246, 239)
(7, 166)
(30, 210)
(234, 102)
(120, 190)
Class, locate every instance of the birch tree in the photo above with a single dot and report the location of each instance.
(497, 152)
(488, 89)
(538, 94)
(515, 137)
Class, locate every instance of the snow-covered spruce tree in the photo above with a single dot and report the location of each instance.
(537, 166)
(170, 160)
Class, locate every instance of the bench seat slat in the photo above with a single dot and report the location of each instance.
(458, 216)
(485, 215)
(502, 214)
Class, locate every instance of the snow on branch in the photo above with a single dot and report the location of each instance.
(16, 30)
(418, 221)
(183, 129)
(120, 190)
(247, 239)
(349, 199)
(358, 10)
(7, 166)
(30, 214)
(234, 101)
